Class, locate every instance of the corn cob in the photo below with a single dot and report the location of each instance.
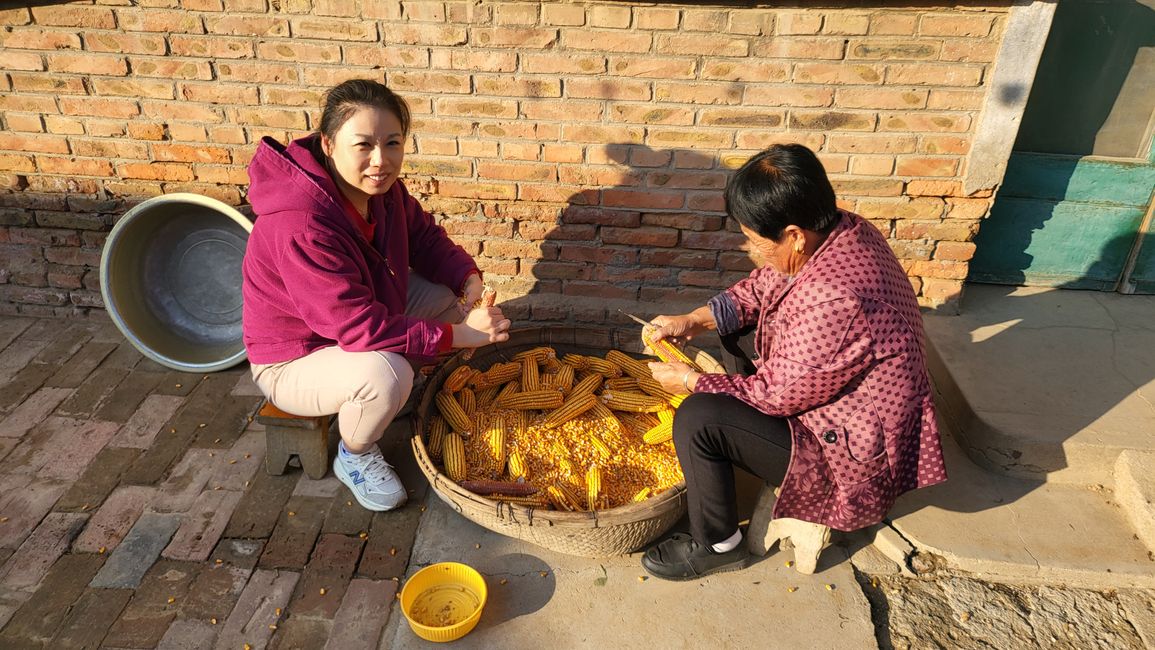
(622, 383)
(642, 494)
(485, 397)
(593, 485)
(530, 376)
(495, 438)
(666, 416)
(601, 447)
(452, 412)
(573, 495)
(534, 501)
(558, 498)
(455, 457)
(659, 434)
(480, 420)
(563, 380)
(508, 488)
(468, 400)
(437, 430)
(676, 400)
(538, 354)
(667, 351)
(518, 421)
(637, 423)
(603, 367)
(531, 400)
(456, 379)
(551, 364)
(516, 465)
(590, 384)
(634, 402)
(578, 361)
(497, 375)
(629, 365)
(572, 408)
(507, 390)
(606, 417)
(652, 387)
(488, 298)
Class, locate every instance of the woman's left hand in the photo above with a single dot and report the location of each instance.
(471, 292)
(671, 375)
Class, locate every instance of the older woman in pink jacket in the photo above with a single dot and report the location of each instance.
(836, 407)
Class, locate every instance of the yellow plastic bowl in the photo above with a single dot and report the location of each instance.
(443, 601)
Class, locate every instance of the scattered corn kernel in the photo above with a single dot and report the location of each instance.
(642, 578)
(477, 546)
(246, 484)
(348, 503)
(272, 626)
(172, 430)
(829, 587)
(965, 616)
(544, 573)
(101, 550)
(216, 487)
(3, 519)
(789, 563)
(248, 647)
(171, 600)
(177, 385)
(503, 581)
(393, 551)
(874, 582)
(792, 589)
(201, 425)
(211, 454)
(363, 535)
(216, 440)
(278, 611)
(219, 561)
(84, 507)
(213, 621)
(292, 514)
(233, 462)
(422, 508)
(322, 591)
(248, 455)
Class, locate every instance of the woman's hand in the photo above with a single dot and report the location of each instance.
(676, 378)
(471, 292)
(482, 326)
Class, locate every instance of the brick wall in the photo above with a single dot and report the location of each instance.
(577, 150)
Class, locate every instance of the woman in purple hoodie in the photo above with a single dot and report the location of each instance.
(349, 284)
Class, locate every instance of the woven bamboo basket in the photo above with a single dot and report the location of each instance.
(596, 534)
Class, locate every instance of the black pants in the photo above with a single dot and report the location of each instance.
(712, 434)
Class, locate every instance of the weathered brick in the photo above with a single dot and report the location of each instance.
(37, 621)
(189, 635)
(198, 409)
(260, 507)
(99, 479)
(295, 533)
(202, 525)
(695, 93)
(31, 411)
(31, 562)
(330, 568)
(234, 412)
(114, 519)
(90, 617)
(256, 609)
(701, 45)
(137, 552)
(188, 479)
(299, 632)
(359, 621)
(973, 26)
(80, 365)
(63, 447)
(144, 621)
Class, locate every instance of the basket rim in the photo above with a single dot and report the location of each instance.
(460, 497)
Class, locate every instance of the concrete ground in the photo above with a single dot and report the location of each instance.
(135, 512)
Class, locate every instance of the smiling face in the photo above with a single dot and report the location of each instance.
(366, 154)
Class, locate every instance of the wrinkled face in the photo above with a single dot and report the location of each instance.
(765, 251)
(366, 153)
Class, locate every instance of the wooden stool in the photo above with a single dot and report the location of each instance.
(287, 435)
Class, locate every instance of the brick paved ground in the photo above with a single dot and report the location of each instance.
(135, 510)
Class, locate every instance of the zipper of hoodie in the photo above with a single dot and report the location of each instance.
(379, 254)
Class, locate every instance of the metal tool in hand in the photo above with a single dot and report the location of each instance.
(635, 318)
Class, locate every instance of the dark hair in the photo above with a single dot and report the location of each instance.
(342, 100)
(784, 185)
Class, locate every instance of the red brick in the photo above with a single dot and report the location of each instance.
(657, 68)
(514, 37)
(798, 23)
(867, 187)
(914, 74)
(596, 175)
(974, 209)
(512, 86)
(215, 93)
(216, 48)
(133, 88)
(890, 144)
(640, 236)
(893, 23)
(597, 134)
(926, 166)
(609, 16)
(537, 231)
(646, 157)
(707, 201)
(974, 26)
(697, 93)
(891, 98)
(477, 190)
(832, 120)
(605, 88)
(678, 258)
(945, 144)
(840, 73)
(39, 83)
(125, 43)
(735, 261)
(954, 251)
(155, 171)
(874, 49)
(41, 39)
(845, 23)
(88, 64)
(970, 51)
(950, 230)
(346, 8)
(554, 110)
(73, 16)
(74, 166)
(687, 180)
(257, 72)
(304, 52)
(110, 149)
(430, 82)
(939, 291)
(924, 122)
(864, 165)
(33, 143)
(334, 30)
(571, 15)
(609, 41)
(944, 269)
(749, 71)
(599, 290)
(786, 95)
(905, 208)
(174, 69)
(643, 199)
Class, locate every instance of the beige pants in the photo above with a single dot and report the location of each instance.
(364, 389)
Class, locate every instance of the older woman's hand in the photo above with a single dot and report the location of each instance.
(676, 378)
(684, 327)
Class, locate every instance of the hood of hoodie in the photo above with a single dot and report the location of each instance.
(291, 179)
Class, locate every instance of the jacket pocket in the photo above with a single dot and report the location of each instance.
(856, 450)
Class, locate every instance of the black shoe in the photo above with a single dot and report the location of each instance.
(679, 557)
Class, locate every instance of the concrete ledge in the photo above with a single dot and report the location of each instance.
(1135, 491)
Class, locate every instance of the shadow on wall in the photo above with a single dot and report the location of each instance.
(653, 240)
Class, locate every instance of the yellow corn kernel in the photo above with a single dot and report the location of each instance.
(538, 355)
(497, 375)
(531, 501)
(578, 361)
(437, 430)
(558, 498)
(653, 388)
(509, 389)
(589, 384)
(642, 494)
(666, 416)
(486, 396)
(633, 402)
(602, 448)
(532, 400)
(667, 351)
(455, 457)
(452, 412)
(518, 421)
(457, 379)
(530, 375)
(677, 400)
(603, 367)
(572, 408)
(593, 485)
(659, 434)
(468, 400)
(517, 467)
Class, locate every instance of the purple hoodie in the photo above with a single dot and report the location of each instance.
(311, 280)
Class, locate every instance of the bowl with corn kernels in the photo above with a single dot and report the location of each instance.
(558, 437)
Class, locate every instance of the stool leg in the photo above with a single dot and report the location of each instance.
(276, 450)
(313, 450)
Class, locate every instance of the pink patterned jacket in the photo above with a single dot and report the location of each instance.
(841, 357)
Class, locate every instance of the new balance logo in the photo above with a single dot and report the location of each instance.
(355, 475)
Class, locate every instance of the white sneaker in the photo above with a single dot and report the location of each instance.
(371, 479)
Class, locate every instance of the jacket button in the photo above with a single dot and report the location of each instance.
(830, 437)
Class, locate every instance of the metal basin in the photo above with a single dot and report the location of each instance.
(170, 274)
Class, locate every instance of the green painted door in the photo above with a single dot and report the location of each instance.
(1075, 206)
